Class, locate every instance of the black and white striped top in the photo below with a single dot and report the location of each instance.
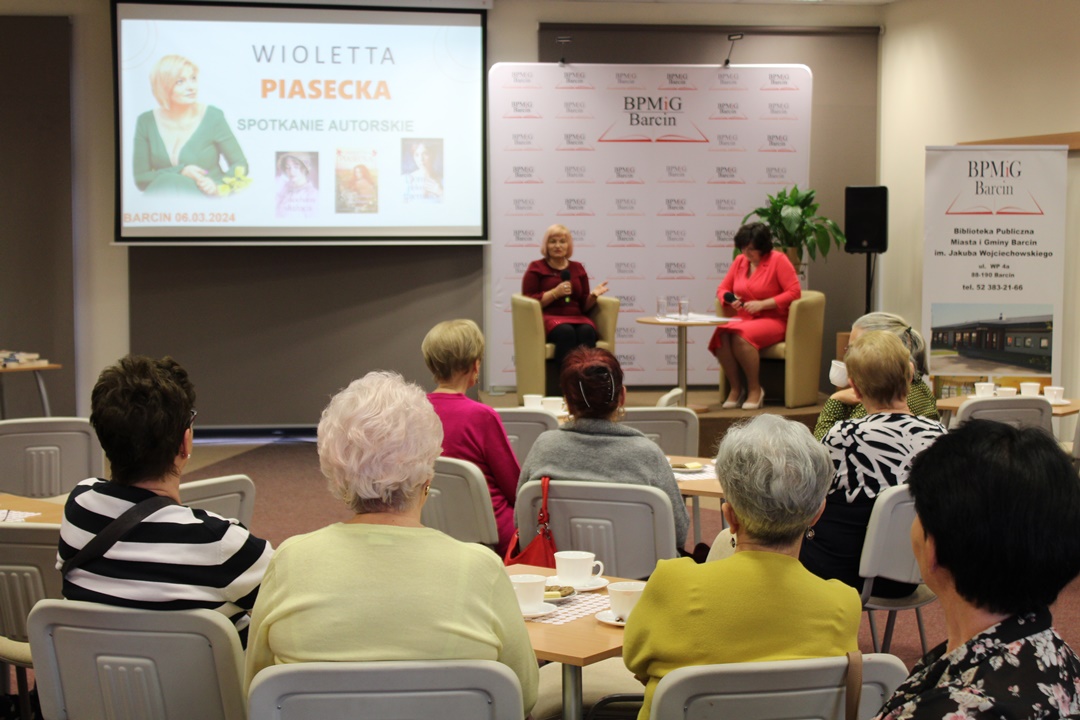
(178, 558)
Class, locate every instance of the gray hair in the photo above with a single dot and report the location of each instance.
(378, 440)
(902, 329)
(775, 475)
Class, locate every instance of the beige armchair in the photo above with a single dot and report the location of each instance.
(532, 352)
(799, 353)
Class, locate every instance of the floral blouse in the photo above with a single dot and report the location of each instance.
(1016, 670)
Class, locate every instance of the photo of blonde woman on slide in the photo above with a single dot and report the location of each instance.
(179, 145)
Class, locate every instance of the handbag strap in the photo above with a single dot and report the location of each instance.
(854, 685)
(118, 528)
(542, 516)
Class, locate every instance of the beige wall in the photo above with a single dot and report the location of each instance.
(968, 70)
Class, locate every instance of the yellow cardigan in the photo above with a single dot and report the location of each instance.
(752, 606)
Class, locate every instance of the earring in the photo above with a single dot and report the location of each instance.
(732, 541)
(810, 533)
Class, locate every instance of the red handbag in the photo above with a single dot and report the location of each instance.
(541, 551)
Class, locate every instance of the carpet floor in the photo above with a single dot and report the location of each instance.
(292, 498)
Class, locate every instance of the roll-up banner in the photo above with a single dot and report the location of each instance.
(993, 268)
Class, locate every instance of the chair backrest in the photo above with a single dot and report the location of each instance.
(1018, 411)
(27, 573)
(887, 549)
(41, 457)
(674, 429)
(459, 503)
(670, 398)
(230, 496)
(811, 689)
(524, 425)
(96, 661)
(628, 527)
(475, 689)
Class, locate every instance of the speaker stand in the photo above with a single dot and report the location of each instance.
(869, 280)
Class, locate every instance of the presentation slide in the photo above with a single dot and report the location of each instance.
(247, 124)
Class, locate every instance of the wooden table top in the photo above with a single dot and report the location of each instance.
(1072, 407)
(31, 368)
(49, 512)
(699, 487)
(580, 642)
(673, 321)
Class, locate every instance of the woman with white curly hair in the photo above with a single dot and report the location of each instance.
(381, 586)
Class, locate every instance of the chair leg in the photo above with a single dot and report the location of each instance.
(886, 642)
(873, 630)
(922, 631)
(24, 694)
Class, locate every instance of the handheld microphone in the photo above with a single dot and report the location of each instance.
(566, 276)
(730, 298)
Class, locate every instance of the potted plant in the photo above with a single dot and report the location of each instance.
(792, 217)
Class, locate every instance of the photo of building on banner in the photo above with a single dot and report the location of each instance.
(993, 273)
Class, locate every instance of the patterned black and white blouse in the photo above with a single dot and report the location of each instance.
(874, 453)
(1019, 669)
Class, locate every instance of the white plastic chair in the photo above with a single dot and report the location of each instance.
(1017, 411)
(629, 527)
(27, 574)
(45, 457)
(230, 496)
(524, 425)
(887, 553)
(95, 661)
(674, 429)
(459, 503)
(475, 689)
(813, 689)
(670, 398)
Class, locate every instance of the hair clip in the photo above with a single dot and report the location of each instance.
(583, 396)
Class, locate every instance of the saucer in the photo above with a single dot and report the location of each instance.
(544, 609)
(1058, 402)
(608, 618)
(594, 583)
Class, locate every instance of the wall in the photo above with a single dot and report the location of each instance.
(953, 72)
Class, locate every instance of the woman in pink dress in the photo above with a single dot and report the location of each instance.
(471, 431)
(764, 284)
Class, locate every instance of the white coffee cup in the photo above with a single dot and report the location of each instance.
(1030, 389)
(1006, 392)
(624, 596)
(533, 401)
(575, 567)
(1054, 393)
(985, 389)
(529, 590)
(553, 404)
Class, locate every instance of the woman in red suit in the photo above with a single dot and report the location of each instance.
(764, 284)
(562, 287)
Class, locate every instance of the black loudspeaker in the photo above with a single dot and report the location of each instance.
(866, 219)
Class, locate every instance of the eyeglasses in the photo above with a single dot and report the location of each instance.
(191, 421)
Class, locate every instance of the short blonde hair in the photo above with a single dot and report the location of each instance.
(554, 230)
(165, 74)
(452, 347)
(879, 365)
(378, 440)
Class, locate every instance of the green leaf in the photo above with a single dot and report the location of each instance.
(792, 219)
(821, 233)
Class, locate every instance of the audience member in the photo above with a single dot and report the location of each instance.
(759, 603)
(381, 586)
(997, 509)
(869, 455)
(471, 431)
(593, 447)
(175, 557)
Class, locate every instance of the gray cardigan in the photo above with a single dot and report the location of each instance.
(603, 451)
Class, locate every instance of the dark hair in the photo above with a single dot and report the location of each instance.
(591, 382)
(1003, 507)
(140, 409)
(756, 235)
(283, 164)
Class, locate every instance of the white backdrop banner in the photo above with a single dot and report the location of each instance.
(651, 167)
(993, 268)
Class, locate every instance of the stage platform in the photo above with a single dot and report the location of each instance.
(714, 421)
